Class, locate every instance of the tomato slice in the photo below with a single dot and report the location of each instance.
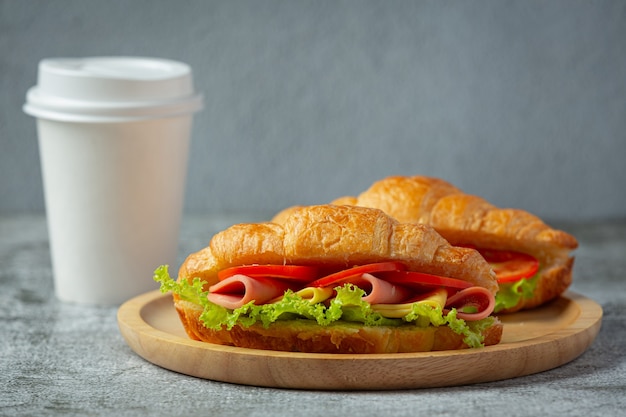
(338, 277)
(298, 273)
(420, 279)
(510, 266)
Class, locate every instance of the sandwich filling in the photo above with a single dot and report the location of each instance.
(379, 294)
(517, 274)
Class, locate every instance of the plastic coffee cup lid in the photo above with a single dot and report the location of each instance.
(111, 89)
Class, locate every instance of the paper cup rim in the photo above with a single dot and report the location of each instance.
(61, 109)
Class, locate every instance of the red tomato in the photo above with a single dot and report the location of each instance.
(292, 272)
(413, 279)
(510, 266)
(338, 277)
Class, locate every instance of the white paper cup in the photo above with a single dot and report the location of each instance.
(114, 135)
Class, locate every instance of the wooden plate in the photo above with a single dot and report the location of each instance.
(532, 342)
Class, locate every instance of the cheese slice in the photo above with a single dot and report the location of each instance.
(315, 295)
(434, 299)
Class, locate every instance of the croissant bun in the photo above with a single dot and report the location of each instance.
(465, 219)
(335, 237)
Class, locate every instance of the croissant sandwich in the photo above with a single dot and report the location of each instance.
(533, 262)
(335, 279)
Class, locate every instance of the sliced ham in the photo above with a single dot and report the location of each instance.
(238, 290)
(380, 292)
(377, 291)
(474, 298)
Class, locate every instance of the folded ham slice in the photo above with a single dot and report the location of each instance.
(475, 298)
(239, 290)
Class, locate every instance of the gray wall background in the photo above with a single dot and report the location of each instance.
(521, 102)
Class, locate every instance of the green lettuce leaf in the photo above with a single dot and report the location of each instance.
(509, 294)
(189, 292)
(347, 306)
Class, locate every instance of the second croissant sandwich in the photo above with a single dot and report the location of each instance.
(533, 261)
(335, 279)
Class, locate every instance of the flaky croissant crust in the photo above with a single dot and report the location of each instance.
(338, 237)
(463, 218)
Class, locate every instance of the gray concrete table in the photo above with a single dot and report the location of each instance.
(62, 359)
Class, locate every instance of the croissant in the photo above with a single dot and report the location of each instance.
(338, 237)
(331, 239)
(468, 220)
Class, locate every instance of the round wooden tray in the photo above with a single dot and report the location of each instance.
(533, 341)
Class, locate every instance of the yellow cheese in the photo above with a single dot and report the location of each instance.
(434, 299)
(315, 295)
